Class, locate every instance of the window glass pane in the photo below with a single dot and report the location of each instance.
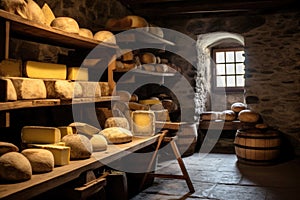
(220, 69)
(221, 81)
(240, 68)
(220, 57)
(240, 81)
(230, 56)
(230, 69)
(230, 81)
(239, 56)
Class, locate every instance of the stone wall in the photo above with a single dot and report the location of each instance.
(272, 46)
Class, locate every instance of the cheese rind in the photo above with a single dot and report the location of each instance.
(41, 160)
(90, 89)
(59, 89)
(42, 70)
(28, 88)
(11, 68)
(65, 130)
(7, 90)
(81, 147)
(49, 15)
(66, 24)
(78, 73)
(116, 135)
(98, 142)
(117, 122)
(40, 135)
(143, 123)
(84, 128)
(61, 154)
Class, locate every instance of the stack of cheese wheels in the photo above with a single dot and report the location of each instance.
(248, 116)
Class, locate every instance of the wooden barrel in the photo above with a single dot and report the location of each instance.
(187, 139)
(254, 146)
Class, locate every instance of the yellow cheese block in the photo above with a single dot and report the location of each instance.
(11, 67)
(61, 154)
(65, 130)
(49, 15)
(7, 90)
(42, 70)
(40, 135)
(143, 123)
(78, 74)
(29, 88)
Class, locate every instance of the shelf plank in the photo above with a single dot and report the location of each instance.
(24, 28)
(40, 183)
(52, 102)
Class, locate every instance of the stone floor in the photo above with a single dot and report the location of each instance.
(220, 177)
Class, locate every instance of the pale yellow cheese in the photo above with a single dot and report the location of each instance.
(49, 15)
(84, 32)
(77, 89)
(105, 36)
(40, 135)
(116, 122)
(11, 67)
(59, 89)
(65, 130)
(7, 90)
(66, 24)
(42, 70)
(90, 89)
(61, 154)
(28, 88)
(143, 122)
(78, 74)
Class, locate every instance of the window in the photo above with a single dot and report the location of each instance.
(229, 69)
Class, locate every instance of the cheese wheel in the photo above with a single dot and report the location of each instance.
(84, 128)
(238, 106)
(148, 58)
(116, 122)
(117, 135)
(49, 15)
(136, 21)
(105, 36)
(77, 89)
(210, 115)
(34, 12)
(156, 31)
(161, 68)
(227, 115)
(61, 154)
(41, 160)
(143, 123)
(98, 142)
(84, 32)
(59, 89)
(7, 90)
(148, 67)
(27, 88)
(81, 147)
(11, 68)
(104, 88)
(15, 167)
(127, 55)
(66, 24)
(90, 89)
(6, 147)
(134, 98)
(248, 116)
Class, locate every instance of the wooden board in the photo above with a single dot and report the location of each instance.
(40, 183)
(224, 125)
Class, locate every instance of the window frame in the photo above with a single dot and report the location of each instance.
(214, 78)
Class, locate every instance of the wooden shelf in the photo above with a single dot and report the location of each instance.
(143, 72)
(30, 30)
(224, 125)
(40, 183)
(5, 106)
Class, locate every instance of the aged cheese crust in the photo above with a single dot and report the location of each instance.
(41, 160)
(117, 135)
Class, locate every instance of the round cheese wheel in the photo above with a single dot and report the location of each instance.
(117, 122)
(84, 32)
(41, 160)
(66, 24)
(127, 55)
(148, 67)
(156, 31)
(81, 147)
(105, 36)
(98, 142)
(6, 147)
(228, 115)
(136, 21)
(148, 58)
(238, 106)
(161, 68)
(210, 115)
(117, 135)
(248, 116)
(15, 167)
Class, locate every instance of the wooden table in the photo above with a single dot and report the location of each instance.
(40, 183)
